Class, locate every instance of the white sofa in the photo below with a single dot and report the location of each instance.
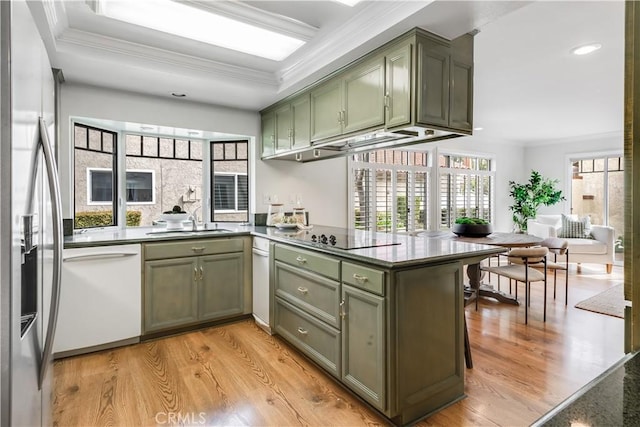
(599, 250)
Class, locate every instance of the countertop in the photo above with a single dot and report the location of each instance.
(612, 399)
(412, 250)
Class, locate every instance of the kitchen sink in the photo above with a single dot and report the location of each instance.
(165, 233)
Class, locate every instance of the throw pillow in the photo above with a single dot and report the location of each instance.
(580, 228)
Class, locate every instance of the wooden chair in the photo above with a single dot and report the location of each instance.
(520, 269)
(557, 247)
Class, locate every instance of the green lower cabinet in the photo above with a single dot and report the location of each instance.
(220, 290)
(191, 282)
(170, 293)
(363, 344)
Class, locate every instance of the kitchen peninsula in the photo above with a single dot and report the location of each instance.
(384, 320)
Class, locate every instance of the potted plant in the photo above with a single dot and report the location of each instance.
(530, 196)
(471, 227)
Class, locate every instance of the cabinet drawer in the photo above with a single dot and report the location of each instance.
(313, 293)
(192, 248)
(318, 263)
(319, 341)
(363, 277)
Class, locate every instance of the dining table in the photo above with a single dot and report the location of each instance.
(474, 272)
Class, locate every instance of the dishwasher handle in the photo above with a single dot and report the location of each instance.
(97, 255)
(260, 253)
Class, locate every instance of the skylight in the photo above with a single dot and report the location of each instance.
(197, 24)
(349, 2)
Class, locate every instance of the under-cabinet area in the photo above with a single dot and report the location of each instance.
(195, 281)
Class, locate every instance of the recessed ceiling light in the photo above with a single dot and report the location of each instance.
(586, 49)
(178, 95)
(194, 23)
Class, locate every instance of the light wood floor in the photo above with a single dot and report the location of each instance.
(236, 374)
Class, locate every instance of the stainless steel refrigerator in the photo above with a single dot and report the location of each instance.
(30, 221)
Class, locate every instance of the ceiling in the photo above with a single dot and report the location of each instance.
(528, 87)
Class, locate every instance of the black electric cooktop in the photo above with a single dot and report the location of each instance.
(340, 238)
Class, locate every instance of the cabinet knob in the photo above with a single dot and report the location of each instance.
(301, 260)
(303, 290)
(302, 331)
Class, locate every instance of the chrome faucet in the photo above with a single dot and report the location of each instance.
(194, 222)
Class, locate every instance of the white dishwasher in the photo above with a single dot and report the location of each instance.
(261, 283)
(100, 299)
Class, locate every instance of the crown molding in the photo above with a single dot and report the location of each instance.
(373, 19)
(129, 52)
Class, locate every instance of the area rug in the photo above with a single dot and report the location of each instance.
(610, 302)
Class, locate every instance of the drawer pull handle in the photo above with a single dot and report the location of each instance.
(343, 314)
(300, 259)
(360, 278)
(302, 331)
(197, 248)
(201, 273)
(195, 274)
(302, 290)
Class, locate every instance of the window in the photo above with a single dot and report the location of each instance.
(100, 186)
(597, 191)
(95, 155)
(465, 187)
(388, 191)
(230, 192)
(177, 164)
(230, 187)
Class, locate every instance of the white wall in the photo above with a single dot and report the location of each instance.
(552, 160)
(320, 185)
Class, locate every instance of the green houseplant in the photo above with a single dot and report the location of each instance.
(530, 196)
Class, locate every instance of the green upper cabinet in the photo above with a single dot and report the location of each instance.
(301, 113)
(461, 92)
(363, 96)
(445, 82)
(326, 110)
(412, 86)
(287, 127)
(398, 86)
(268, 133)
(350, 102)
(433, 82)
(284, 128)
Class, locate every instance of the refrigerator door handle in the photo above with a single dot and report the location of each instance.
(54, 190)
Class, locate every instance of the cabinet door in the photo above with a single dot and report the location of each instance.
(461, 96)
(220, 288)
(268, 133)
(433, 81)
(363, 345)
(284, 128)
(301, 111)
(461, 108)
(363, 103)
(170, 293)
(326, 107)
(398, 87)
